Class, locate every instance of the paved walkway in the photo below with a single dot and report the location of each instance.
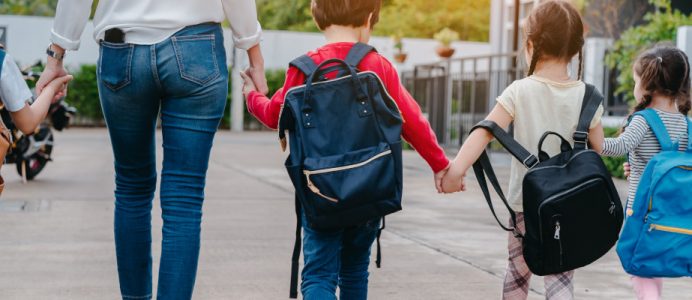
(56, 238)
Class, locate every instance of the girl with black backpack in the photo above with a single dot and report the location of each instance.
(547, 100)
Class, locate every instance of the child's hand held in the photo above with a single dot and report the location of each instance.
(248, 84)
(58, 87)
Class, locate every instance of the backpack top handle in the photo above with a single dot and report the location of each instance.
(564, 145)
(321, 69)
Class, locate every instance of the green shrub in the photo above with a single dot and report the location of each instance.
(84, 95)
(614, 164)
(660, 26)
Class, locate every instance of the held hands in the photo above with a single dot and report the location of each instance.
(57, 87)
(248, 83)
(54, 69)
(453, 181)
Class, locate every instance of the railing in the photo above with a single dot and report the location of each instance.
(457, 93)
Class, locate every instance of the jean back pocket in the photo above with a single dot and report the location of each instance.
(115, 65)
(196, 56)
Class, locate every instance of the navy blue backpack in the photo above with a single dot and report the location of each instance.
(657, 238)
(345, 147)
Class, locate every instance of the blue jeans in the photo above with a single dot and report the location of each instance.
(184, 78)
(337, 258)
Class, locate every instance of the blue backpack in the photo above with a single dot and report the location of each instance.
(345, 147)
(657, 237)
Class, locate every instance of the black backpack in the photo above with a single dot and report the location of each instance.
(345, 141)
(572, 210)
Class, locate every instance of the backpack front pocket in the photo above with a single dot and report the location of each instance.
(663, 250)
(354, 178)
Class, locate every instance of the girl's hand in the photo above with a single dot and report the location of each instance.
(453, 181)
(626, 166)
(57, 87)
(248, 84)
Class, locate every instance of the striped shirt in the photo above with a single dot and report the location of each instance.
(639, 141)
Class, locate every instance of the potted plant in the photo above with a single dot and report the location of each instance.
(445, 37)
(399, 56)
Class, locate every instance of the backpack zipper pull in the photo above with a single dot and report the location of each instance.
(612, 207)
(557, 230)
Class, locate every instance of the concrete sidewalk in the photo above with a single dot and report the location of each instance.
(56, 239)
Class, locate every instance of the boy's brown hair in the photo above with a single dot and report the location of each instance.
(353, 13)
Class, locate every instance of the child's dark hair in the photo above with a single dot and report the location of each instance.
(353, 13)
(664, 70)
(555, 29)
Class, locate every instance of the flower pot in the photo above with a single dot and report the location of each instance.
(400, 57)
(445, 51)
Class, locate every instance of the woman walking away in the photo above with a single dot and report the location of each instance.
(167, 58)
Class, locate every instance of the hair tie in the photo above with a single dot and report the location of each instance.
(660, 59)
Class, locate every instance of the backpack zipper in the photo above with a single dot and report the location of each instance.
(316, 190)
(557, 237)
(553, 197)
(670, 229)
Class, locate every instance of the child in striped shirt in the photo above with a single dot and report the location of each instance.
(662, 83)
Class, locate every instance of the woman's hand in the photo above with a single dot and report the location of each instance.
(628, 170)
(54, 69)
(248, 83)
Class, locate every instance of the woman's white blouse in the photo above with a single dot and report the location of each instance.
(147, 22)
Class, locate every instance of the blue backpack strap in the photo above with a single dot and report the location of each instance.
(357, 53)
(658, 128)
(305, 64)
(2, 58)
(689, 134)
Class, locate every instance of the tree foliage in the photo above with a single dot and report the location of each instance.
(660, 26)
(409, 18)
(28, 7)
(424, 18)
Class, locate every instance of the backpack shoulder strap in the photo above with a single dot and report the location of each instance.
(689, 134)
(658, 128)
(305, 64)
(592, 100)
(2, 58)
(357, 53)
(517, 150)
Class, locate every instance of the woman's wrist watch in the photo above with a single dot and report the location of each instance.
(54, 54)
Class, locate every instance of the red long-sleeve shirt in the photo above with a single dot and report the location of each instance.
(416, 129)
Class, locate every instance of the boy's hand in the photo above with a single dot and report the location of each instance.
(248, 83)
(438, 179)
(453, 181)
(626, 167)
(57, 87)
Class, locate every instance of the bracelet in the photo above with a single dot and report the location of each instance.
(54, 54)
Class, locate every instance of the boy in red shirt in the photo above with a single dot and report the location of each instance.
(343, 257)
